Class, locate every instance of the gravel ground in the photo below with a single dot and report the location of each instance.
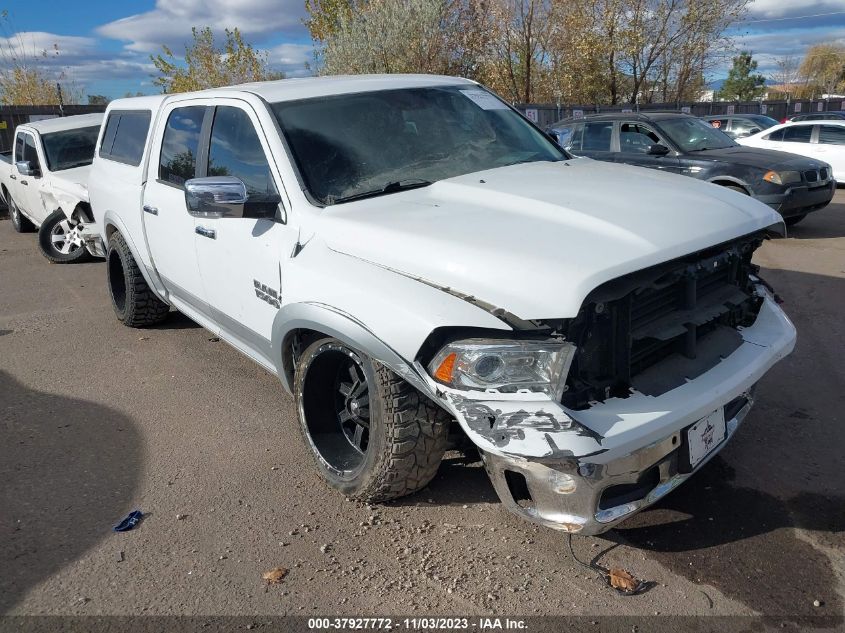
(97, 419)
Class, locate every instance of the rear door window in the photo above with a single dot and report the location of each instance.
(597, 136)
(125, 136)
(180, 145)
(797, 134)
(832, 135)
(720, 124)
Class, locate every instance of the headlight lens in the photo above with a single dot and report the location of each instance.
(782, 177)
(507, 366)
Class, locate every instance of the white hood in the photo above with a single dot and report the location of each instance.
(536, 238)
(66, 189)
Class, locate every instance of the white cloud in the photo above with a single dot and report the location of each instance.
(761, 9)
(291, 59)
(34, 44)
(170, 21)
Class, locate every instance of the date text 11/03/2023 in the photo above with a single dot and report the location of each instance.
(423, 623)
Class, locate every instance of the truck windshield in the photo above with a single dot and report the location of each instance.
(694, 135)
(70, 148)
(352, 146)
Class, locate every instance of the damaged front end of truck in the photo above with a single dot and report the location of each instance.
(584, 421)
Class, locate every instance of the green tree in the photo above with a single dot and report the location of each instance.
(743, 83)
(207, 66)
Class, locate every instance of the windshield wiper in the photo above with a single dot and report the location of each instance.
(393, 186)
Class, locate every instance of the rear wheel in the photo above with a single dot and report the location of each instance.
(21, 224)
(134, 303)
(60, 239)
(372, 435)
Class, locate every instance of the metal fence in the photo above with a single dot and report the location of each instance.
(547, 114)
(12, 116)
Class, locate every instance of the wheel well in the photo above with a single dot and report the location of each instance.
(730, 183)
(84, 210)
(293, 345)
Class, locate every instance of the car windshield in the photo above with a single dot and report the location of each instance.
(70, 148)
(373, 143)
(694, 135)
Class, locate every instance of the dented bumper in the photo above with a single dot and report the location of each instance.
(585, 471)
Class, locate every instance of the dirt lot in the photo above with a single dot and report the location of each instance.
(97, 419)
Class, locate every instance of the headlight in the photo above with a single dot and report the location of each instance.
(506, 366)
(782, 177)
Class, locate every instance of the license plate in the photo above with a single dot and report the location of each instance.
(705, 435)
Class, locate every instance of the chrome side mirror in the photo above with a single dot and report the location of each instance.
(216, 197)
(24, 168)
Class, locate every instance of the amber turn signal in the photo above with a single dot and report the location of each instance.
(444, 372)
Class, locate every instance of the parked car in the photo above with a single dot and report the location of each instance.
(836, 115)
(683, 144)
(44, 182)
(418, 263)
(740, 125)
(817, 140)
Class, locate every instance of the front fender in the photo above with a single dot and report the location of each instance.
(66, 196)
(335, 322)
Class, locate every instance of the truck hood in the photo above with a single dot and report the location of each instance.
(535, 239)
(765, 159)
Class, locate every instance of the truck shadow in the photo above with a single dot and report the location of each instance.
(70, 469)
(742, 542)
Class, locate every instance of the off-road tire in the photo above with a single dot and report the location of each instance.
(134, 303)
(21, 224)
(408, 433)
(795, 219)
(48, 247)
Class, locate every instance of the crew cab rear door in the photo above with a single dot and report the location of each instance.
(242, 259)
(168, 225)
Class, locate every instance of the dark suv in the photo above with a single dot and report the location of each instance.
(683, 144)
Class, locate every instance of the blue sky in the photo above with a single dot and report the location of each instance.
(105, 46)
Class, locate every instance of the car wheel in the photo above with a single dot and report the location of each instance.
(795, 219)
(60, 239)
(21, 224)
(736, 188)
(134, 302)
(373, 436)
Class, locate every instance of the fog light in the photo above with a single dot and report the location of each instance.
(562, 483)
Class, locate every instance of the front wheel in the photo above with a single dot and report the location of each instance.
(21, 224)
(60, 239)
(794, 219)
(373, 436)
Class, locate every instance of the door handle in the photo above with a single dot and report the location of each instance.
(24, 182)
(150, 210)
(13, 177)
(209, 233)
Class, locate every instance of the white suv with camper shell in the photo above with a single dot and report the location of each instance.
(421, 266)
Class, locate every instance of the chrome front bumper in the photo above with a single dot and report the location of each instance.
(580, 496)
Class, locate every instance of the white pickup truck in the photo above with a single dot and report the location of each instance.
(420, 266)
(44, 183)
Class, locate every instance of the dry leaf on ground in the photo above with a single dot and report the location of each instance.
(621, 579)
(275, 575)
